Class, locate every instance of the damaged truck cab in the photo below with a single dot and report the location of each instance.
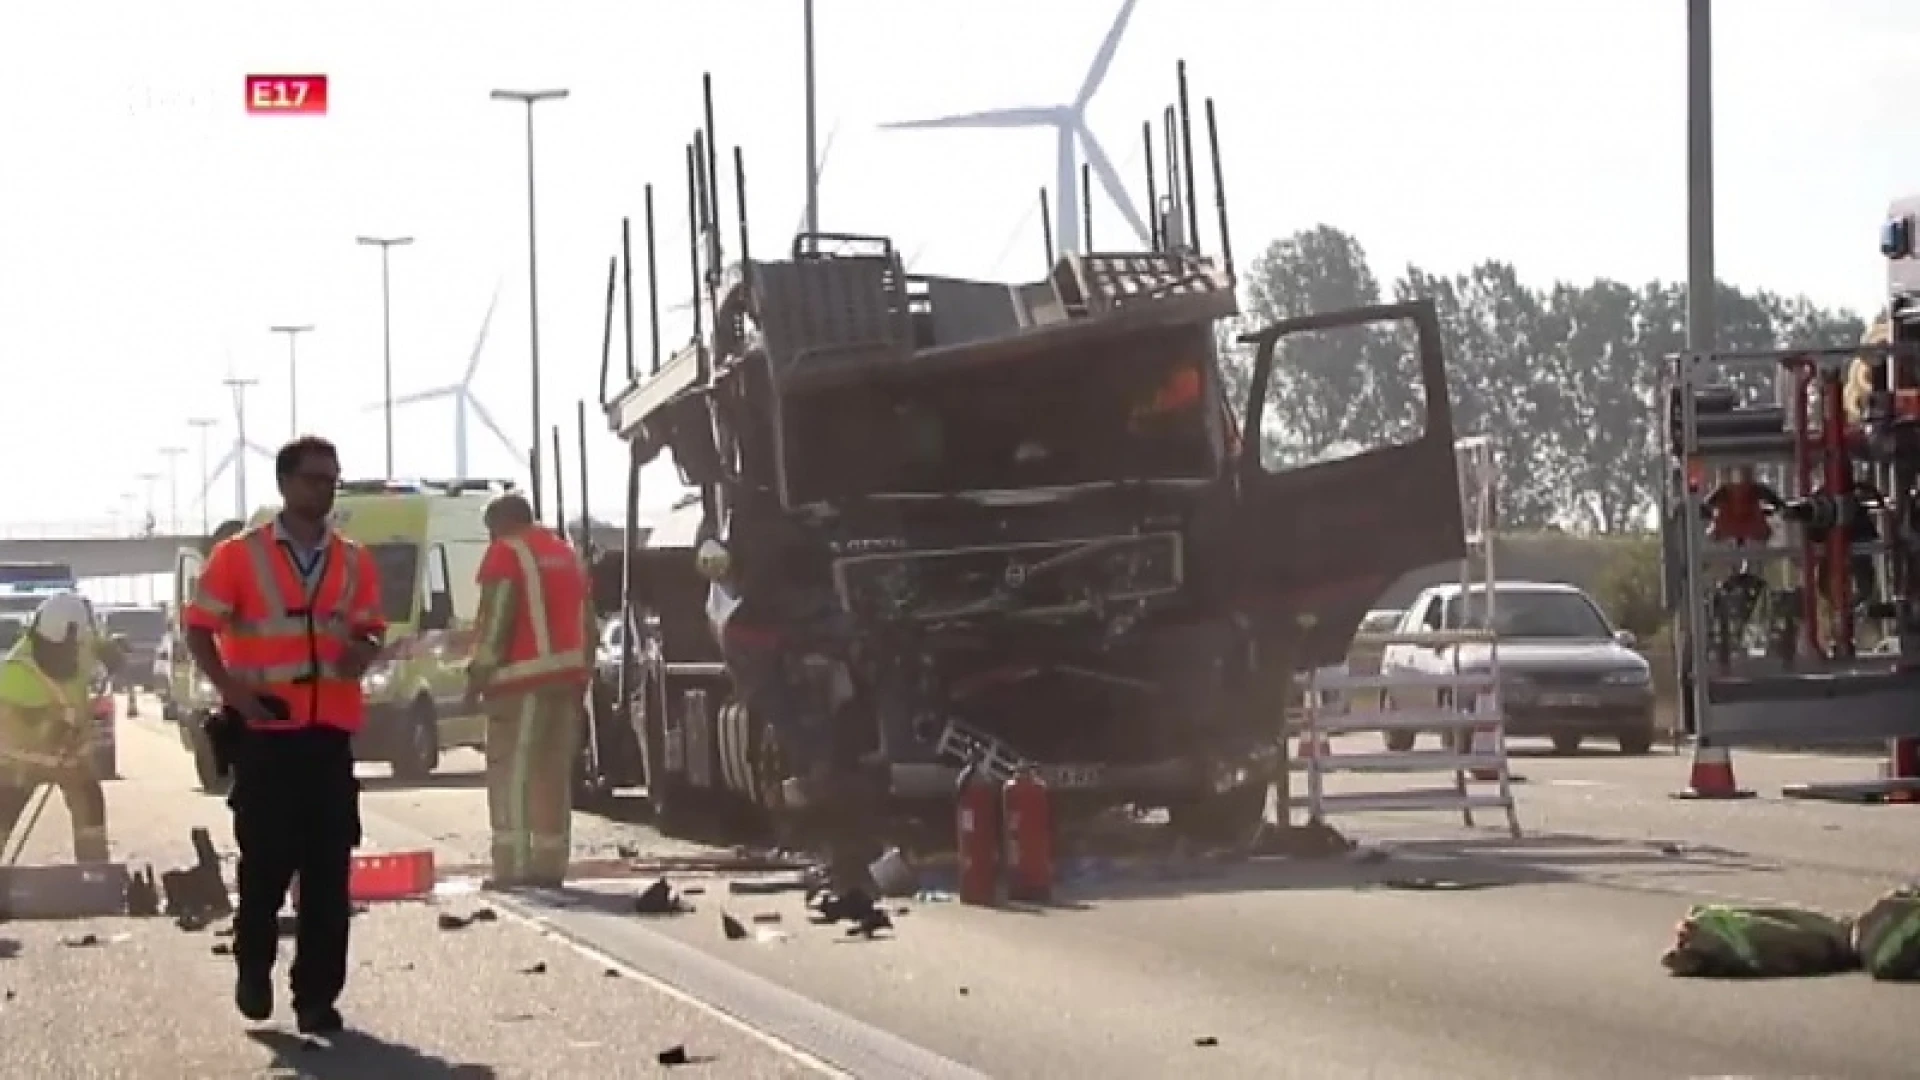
(1016, 524)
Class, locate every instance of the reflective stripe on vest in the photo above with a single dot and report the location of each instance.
(546, 664)
(281, 619)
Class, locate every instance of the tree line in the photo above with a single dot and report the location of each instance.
(1563, 379)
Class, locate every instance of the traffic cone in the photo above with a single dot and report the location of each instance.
(1711, 776)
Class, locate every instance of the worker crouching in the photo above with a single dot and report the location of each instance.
(47, 730)
(530, 670)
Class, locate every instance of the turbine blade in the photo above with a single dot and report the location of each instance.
(219, 470)
(480, 342)
(1102, 60)
(486, 418)
(416, 398)
(1115, 188)
(1032, 116)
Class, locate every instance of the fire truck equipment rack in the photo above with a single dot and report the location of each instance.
(1769, 638)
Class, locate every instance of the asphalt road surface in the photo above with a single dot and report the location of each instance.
(1446, 952)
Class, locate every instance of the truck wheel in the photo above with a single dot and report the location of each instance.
(211, 782)
(1224, 819)
(1400, 741)
(418, 751)
(1566, 744)
(675, 804)
(1636, 743)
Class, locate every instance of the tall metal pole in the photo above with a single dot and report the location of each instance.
(813, 153)
(386, 244)
(151, 522)
(172, 454)
(530, 98)
(240, 445)
(205, 424)
(1702, 331)
(293, 376)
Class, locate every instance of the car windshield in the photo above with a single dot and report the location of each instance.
(1531, 613)
(399, 566)
(143, 625)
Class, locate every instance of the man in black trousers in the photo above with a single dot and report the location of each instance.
(285, 621)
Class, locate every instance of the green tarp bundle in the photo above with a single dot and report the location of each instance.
(1732, 941)
(1887, 937)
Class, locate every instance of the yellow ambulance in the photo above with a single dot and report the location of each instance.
(427, 537)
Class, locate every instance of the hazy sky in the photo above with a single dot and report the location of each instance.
(151, 231)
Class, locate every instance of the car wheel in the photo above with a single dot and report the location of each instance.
(1400, 741)
(1566, 744)
(418, 752)
(1636, 743)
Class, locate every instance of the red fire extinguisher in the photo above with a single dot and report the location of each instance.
(1029, 813)
(978, 805)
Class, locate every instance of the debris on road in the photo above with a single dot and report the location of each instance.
(143, 895)
(1206, 1041)
(539, 968)
(731, 927)
(449, 921)
(767, 886)
(659, 899)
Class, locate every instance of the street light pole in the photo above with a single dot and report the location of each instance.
(239, 387)
(1702, 321)
(205, 424)
(150, 523)
(813, 154)
(530, 98)
(293, 375)
(172, 454)
(386, 244)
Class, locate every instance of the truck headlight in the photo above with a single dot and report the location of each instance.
(375, 682)
(1630, 677)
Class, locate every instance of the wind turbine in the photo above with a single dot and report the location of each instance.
(1069, 122)
(464, 401)
(236, 456)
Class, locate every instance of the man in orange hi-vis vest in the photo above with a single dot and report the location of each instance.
(284, 624)
(532, 662)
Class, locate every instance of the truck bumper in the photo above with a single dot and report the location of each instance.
(1171, 778)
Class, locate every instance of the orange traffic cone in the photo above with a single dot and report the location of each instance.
(1711, 776)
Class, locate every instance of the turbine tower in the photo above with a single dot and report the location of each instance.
(236, 456)
(1069, 123)
(465, 402)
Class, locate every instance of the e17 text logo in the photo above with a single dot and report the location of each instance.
(301, 95)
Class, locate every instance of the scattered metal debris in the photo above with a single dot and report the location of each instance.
(449, 921)
(659, 899)
(539, 968)
(1206, 1040)
(731, 927)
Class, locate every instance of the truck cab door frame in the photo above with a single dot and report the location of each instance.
(181, 673)
(1316, 544)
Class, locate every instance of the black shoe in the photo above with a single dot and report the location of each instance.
(319, 1020)
(254, 997)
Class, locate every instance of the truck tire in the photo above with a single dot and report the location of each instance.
(1636, 743)
(417, 753)
(677, 808)
(1567, 744)
(1224, 819)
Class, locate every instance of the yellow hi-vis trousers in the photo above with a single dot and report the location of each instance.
(532, 740)
(86, 805)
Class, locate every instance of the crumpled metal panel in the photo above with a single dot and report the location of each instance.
(821, 307)
(1110, 283)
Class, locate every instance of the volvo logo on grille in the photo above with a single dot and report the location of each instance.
(1015, 575)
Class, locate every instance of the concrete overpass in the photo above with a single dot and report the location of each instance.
(107, 551)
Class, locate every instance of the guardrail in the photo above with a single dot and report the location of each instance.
(87, 530)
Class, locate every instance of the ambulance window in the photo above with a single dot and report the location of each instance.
(437, 609)
(438, 580)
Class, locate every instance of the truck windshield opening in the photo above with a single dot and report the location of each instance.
(399, 566)
(1139, 408)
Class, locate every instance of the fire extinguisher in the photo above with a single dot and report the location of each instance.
(1029, 813)
(978, 809)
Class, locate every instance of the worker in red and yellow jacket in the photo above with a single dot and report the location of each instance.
(532, 662)
(284, 624)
